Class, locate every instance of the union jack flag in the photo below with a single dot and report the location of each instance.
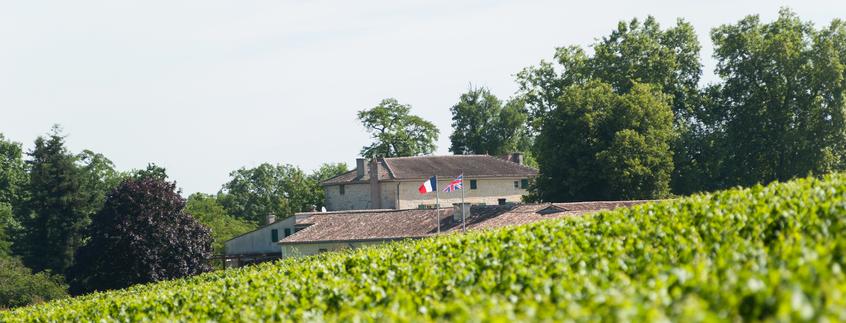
(456, 184)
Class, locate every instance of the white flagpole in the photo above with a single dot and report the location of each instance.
(463, 223)
(437, 206)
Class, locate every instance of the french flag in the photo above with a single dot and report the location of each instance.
(428, 186)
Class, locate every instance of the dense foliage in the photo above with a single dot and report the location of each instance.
(253, 193)
(209, 212)
(766, 252)
(777, 112)
(482, 124)
(600, 145)
(19, 286)
(141, 235)
(396, 132)
(12, 181)
(57, 209)
(781, 100)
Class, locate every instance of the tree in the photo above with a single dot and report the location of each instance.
(781, 104)
(209, 212)
(395, 132)
(20, 287)
(141, 235)
(636, 52)
(99, 177)
(12, 182)
(616, 146)
(55, 212)
(254, 193)
(481, 125)
(152, 171)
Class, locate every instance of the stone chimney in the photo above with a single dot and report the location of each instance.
(359, 167)
(517, 158)
(456, 211)
(271, 218)
(375, 188)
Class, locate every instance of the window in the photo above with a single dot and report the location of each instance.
(321, 250)
(500, 201)
(287, 231)
(341, 188)
(473, 184)
(516, 184)
(274, 235)
(524, 183)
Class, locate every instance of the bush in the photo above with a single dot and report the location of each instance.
(141, 235)
(19, 287)
(764, 253)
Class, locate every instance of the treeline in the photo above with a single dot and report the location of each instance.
(71, 222)
(630, 120)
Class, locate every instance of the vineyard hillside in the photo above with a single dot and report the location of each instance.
(771, 252)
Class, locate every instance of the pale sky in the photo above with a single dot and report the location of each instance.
(206, 87)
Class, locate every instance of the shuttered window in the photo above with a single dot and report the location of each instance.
(524, 183)
(274, 235)
(287, 231)
(473, 185)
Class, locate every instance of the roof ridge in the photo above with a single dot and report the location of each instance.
(388, 167)
(437, 156)
(336, 176)
(510, 162)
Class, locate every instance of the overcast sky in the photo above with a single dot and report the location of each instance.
(206, 87)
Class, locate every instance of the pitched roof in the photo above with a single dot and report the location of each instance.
(419, 167)
(416, 223)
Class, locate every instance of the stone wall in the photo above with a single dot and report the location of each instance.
(405, 195)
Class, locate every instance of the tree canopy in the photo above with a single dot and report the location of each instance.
(55, 214)
(396, 132)
(482, 125)
(600, 145)
(781, 100)
(281, 190)
(209, 212)
(140, 235)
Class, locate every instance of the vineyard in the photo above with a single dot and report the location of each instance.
(765, 253)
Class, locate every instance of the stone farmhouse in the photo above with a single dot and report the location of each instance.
(392, 183)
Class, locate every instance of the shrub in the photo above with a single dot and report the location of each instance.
(19, 287)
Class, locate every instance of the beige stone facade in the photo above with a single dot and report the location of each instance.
(404, 194)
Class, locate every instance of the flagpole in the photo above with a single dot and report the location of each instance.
(463, 222)
(437, 206)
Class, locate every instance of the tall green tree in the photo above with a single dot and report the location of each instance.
(253, 193)
(13, 178)
(396, 132)
(636, 52)
(482, 125)
(99, 177)
(781, 102)
(600, 145)
(55, 213)
(209, 212)
(151, 171)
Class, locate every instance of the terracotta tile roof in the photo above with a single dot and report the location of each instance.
(420, 167)
(416, 223)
